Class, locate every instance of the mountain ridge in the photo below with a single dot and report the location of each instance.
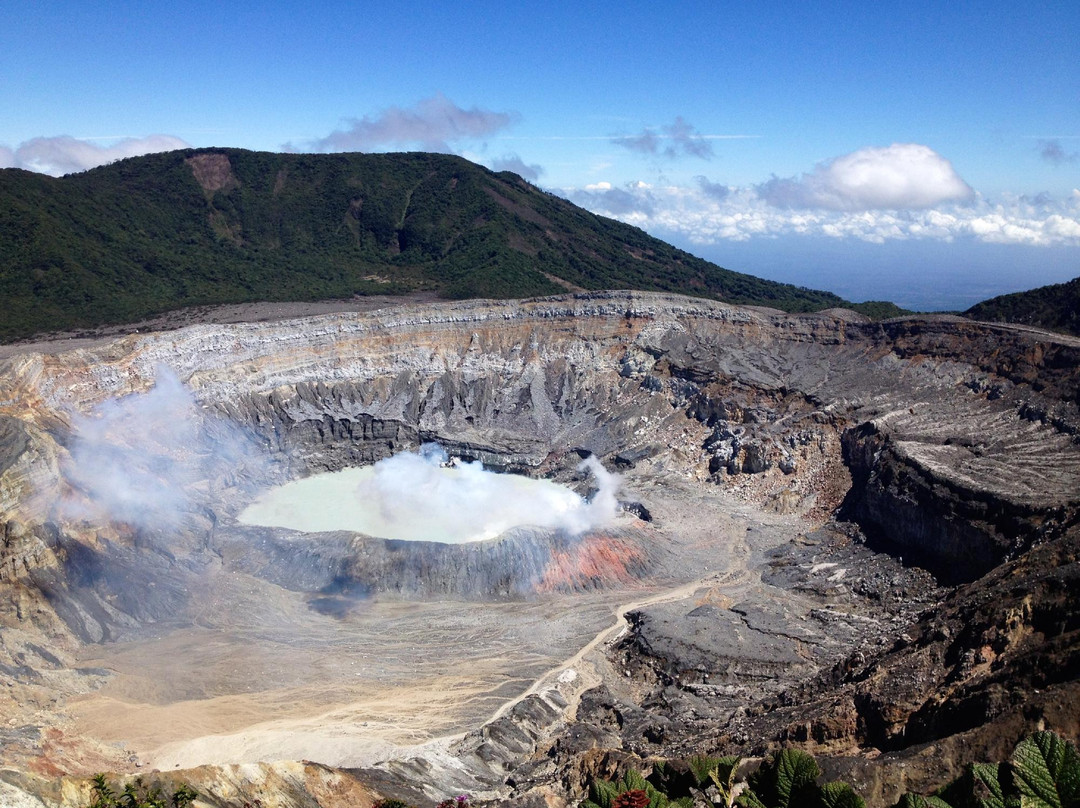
(193, 227)
(1055, 307)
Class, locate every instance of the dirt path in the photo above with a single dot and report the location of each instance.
(585, 669)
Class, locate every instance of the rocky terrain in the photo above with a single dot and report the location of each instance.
(855, 536)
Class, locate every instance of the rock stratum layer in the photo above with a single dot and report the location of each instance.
(951, 444)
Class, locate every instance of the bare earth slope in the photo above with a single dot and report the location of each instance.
(145, 627)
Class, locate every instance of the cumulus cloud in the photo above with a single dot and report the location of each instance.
(65, 154)
(897, 177)
(677, 139)
(432, 124)
(705, 217)
(512, 162)
(1053, 152)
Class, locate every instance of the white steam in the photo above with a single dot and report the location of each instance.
(420, 496)
(150, 461)
(137, 459)
(605, 503)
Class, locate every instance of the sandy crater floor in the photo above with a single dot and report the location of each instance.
(263, 677)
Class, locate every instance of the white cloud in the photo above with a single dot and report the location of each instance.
(901, 176)
(741, 214)
(432, 124)
(677, 139)
(903, 192)
(65, 154)
(714, 189)
(512, 162)
(7, 157)
(1053, 152)
(629, 204)
(1063, 227)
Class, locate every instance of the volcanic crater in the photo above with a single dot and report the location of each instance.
(796, 490)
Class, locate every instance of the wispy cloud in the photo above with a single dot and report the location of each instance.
(902, 176)
(609, 138)
(677, 139)
(512, 162)
(1053, 152)
(65, 154)
(630, 202)
(433, 124)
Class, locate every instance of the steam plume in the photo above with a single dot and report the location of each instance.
(473, 502)
(422, 496)
(135, 459)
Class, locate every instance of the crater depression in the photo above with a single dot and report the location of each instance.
(152, 614)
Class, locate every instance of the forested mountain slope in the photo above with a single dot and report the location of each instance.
(164, 231)
(1056, 307)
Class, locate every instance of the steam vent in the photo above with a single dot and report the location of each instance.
(797, 498)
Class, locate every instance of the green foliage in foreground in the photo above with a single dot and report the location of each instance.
(460, 801)
(789, 780)
(1043, 772)
(137, 794)
(632, 791)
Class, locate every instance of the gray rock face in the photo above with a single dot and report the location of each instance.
(341, 567)
(955, 526)
(952, 443)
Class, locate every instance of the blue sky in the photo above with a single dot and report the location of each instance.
(924, 152)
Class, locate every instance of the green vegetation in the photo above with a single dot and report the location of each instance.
(460, 801)
(1055, 307)
(155, 233)
(1043, 772)
(880, 309)
(632, 791)
(137, 794)
(789, 780)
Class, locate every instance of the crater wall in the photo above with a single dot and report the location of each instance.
(952, 443)
(951, 440)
